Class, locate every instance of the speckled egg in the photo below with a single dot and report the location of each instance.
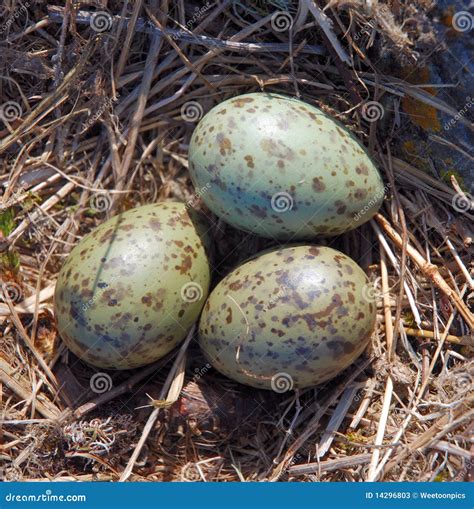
(130, 290)
(281, 168)
(289, 318)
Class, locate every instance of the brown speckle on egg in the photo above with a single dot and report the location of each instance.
(131, 307)
(264, 145)
(308, 321)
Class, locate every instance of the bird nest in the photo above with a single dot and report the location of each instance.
(98, 103)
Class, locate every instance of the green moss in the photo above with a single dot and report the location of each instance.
(409, 320)
(9, 260)
(443, 476)
(9, 263)
(7, 221)
(30, 201)
(90, 212)
(356, 438)
(446, 177)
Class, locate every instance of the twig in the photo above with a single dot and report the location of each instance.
(131, 27)
(172, 387)
(464, 413)
(391, 255)
(325, 24)
(418, 397)
(48, 204)
(387, 398)
(83, 17)
(341, 58)
(442, 445)
(337, 418)
(29, 304)
(314, 423)
(364, 405)
(330, 465)
(135, 123)
(19, 326)
(118, 391)
(430, 270)
(460, 264)
(46, 408)
(422, 333)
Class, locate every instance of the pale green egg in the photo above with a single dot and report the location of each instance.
(281, 168)
(289, 318)
(130, 291)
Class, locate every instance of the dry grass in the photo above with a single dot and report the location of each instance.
(99, 127)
